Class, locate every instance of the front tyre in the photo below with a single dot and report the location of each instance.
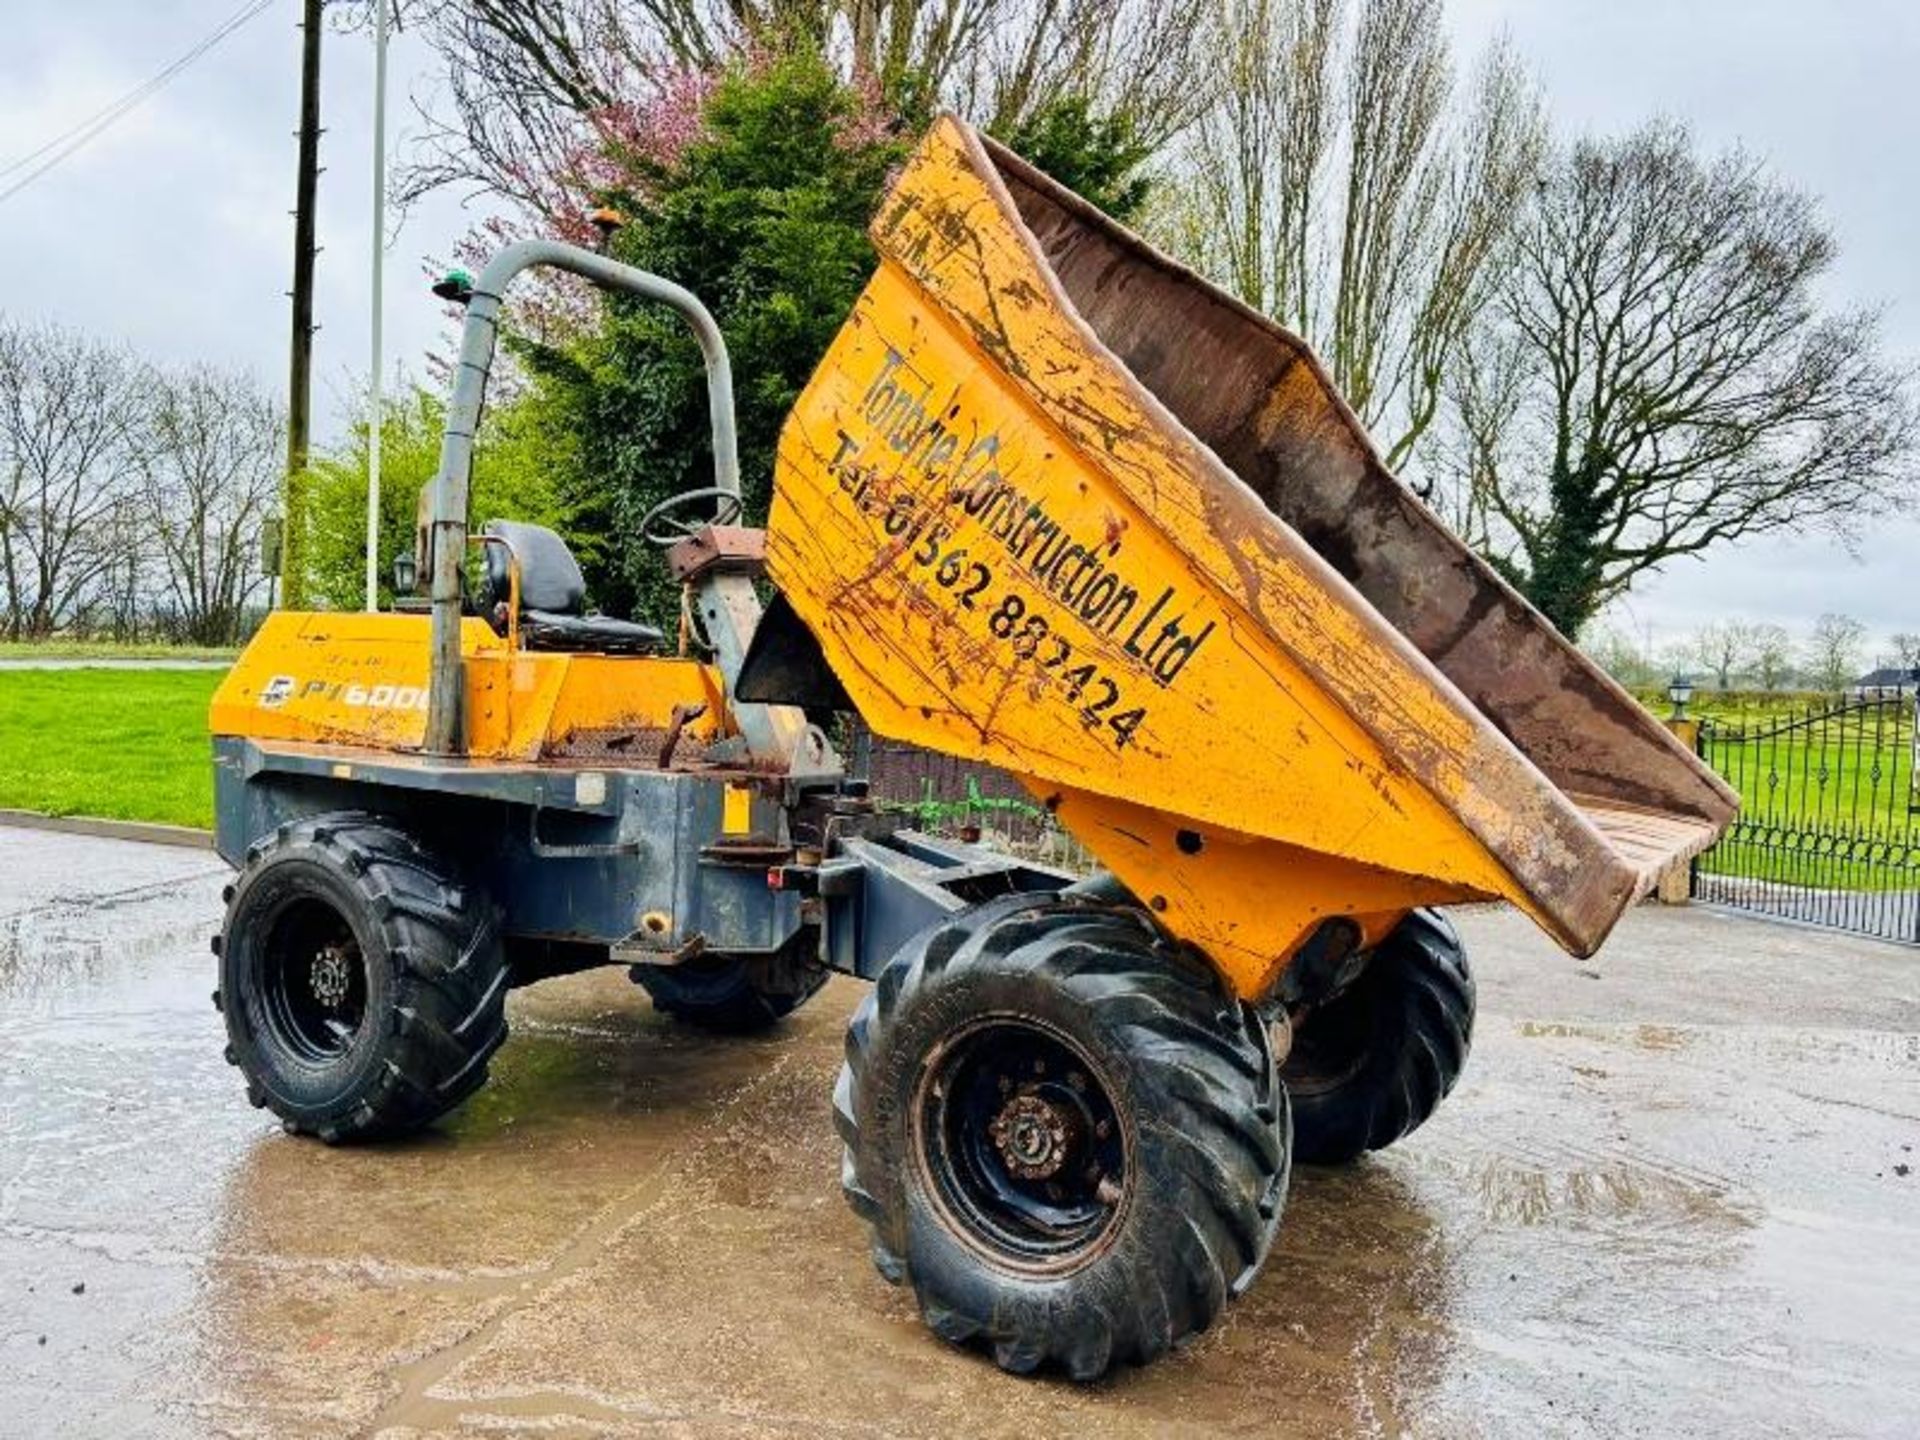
(1066, 1135)
(1370, 1065)
(364, 989)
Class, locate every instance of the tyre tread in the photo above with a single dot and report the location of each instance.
(450, 977)
(1222, 1132)
(1419, 994)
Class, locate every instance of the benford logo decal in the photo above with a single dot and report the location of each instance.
(279, 690)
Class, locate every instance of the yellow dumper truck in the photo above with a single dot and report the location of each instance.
(1050, 503)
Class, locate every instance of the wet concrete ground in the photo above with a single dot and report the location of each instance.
(1676, 1193)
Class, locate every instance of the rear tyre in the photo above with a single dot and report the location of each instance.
(1067, 1136)
(730, 995)
(1370, 1065)
(364, 988)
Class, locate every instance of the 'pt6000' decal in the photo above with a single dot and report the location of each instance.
(282, 688)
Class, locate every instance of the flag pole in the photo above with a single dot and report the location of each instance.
(377, 397)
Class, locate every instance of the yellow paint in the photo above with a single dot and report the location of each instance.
(1010, 555)
(1246, 902)
(736, 814)
(359, 679)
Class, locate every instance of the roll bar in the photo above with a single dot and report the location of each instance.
(448, 491)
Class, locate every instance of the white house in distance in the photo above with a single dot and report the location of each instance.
(1887, 683)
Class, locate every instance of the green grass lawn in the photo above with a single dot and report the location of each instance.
(122, 744)
(57, 649)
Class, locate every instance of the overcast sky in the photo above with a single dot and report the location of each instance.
(172, 232)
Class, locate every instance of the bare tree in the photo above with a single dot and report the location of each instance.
(1253, 212)
(1723, 647)
(1772, 656)
(208, 476)
(1833, 651)
(526, 84)
(1342, 184)
(1906, 649)
(1146, 59)
(1671, 383)
(1617, 652)
(519, 78)
(65, 404)
(119, 603)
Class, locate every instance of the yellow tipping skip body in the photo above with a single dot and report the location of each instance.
(1013, 550)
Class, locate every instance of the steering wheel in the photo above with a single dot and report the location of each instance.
(663, 524)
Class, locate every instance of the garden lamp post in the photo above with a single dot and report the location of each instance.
(1679, 691)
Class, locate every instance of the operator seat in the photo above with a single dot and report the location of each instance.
(553, 596)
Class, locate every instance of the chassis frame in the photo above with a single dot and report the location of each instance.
(593, 866)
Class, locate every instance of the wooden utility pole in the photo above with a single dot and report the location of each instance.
(300, 363)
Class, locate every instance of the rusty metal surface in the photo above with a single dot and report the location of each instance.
(619, 746)
(736, 547)
(1259, 399)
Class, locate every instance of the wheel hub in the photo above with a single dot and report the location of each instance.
(1033, 1135)
(1021, 1144)
(331, 976)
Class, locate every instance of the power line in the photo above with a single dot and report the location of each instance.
(108, 114)
(64, 146)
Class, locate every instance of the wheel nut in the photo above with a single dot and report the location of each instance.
(330, 976)
(1032, 1137)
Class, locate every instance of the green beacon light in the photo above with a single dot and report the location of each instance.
(455, 285)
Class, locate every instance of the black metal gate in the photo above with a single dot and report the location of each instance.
(1829, 826)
